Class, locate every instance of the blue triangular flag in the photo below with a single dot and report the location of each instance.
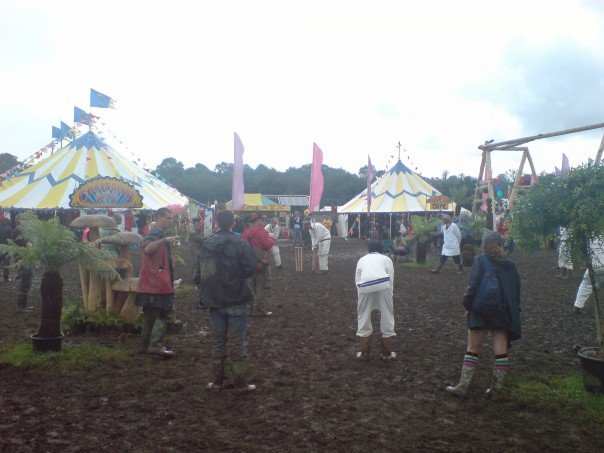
(57, 133)
(100, 100)
(80, 116)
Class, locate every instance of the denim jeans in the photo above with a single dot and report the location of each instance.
(225, 319)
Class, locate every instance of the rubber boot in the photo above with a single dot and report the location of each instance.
(363, 354)
(460, 269)
(240, 375)
(22, 303)
(496, 384)
(219, 375)
(437, 269)
(461, 389)
(145, 338)
(157, 337)
(387, 352)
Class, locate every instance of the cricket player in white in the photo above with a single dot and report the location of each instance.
(321, 241)
(273, 229)
(374, 279)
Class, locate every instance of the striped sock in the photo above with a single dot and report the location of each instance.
(470, 359)
(502, 362)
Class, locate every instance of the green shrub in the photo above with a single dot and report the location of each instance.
(75, 319)
(70, 357)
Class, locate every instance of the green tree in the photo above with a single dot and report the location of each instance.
(7, 161)
(52, 246)
(576, 203)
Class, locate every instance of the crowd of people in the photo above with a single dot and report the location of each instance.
(233, 277)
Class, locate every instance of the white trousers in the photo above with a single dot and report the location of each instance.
(379, 300)
(276, 255)
(585, 290)
(322, 253)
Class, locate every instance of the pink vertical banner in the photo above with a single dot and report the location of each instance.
(565, 165)
(238, 175)
(316, 179)
(370, 175)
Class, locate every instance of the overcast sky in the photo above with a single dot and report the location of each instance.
(356, 77)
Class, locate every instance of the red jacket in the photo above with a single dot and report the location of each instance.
(258, 238)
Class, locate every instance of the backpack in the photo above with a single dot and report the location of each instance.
(488, 299)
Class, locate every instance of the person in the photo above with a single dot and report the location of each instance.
(262, 243)
(451, 240)
(321, 241)
(196, 236)
(565, 263)
(6, 233)
(25, 273)
(374, 279)
(387, 243)
(155, 290)
(225, 263)
(273, 229)
(503, 323)
(400, 248)
(296, 226)
(585, 289)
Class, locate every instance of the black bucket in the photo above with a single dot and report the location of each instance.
(46, 344)
(593, 370)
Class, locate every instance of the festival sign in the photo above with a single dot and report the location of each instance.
(105, 192)
(440, 203)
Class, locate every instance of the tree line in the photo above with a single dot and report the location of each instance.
(206, 185)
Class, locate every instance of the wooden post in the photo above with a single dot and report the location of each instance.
(489, 175)
(516, 180)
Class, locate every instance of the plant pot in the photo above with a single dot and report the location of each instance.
(593, 369)
(420, 253)
(46, 344)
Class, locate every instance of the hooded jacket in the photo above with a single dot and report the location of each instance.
(509, 280)
(225, 262)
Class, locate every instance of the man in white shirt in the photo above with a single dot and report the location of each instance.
(321, 241)
(273, 229)
(451, 241)
(374, 279)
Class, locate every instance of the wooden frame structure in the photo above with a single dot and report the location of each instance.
(485, 177)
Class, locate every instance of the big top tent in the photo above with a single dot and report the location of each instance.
(398, 190)
(50, 183)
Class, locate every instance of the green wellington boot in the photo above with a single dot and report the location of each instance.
(461, 389)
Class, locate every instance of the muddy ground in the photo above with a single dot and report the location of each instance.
(312, 395)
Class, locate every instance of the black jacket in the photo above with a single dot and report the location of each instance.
(225, 262)
(509, 281)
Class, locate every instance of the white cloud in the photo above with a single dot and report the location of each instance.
(353, 76)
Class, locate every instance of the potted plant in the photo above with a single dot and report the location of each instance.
(422, 234)
(52, 246)
(576, 203)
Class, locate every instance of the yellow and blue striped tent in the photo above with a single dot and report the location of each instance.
(48, 183)
(398, 190)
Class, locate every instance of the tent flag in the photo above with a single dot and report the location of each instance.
(57, 133)
(101, 100)
(80, 116)
(370, 175)
(66, 131)
(565, 164)
(238, 189)
(316, 179)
